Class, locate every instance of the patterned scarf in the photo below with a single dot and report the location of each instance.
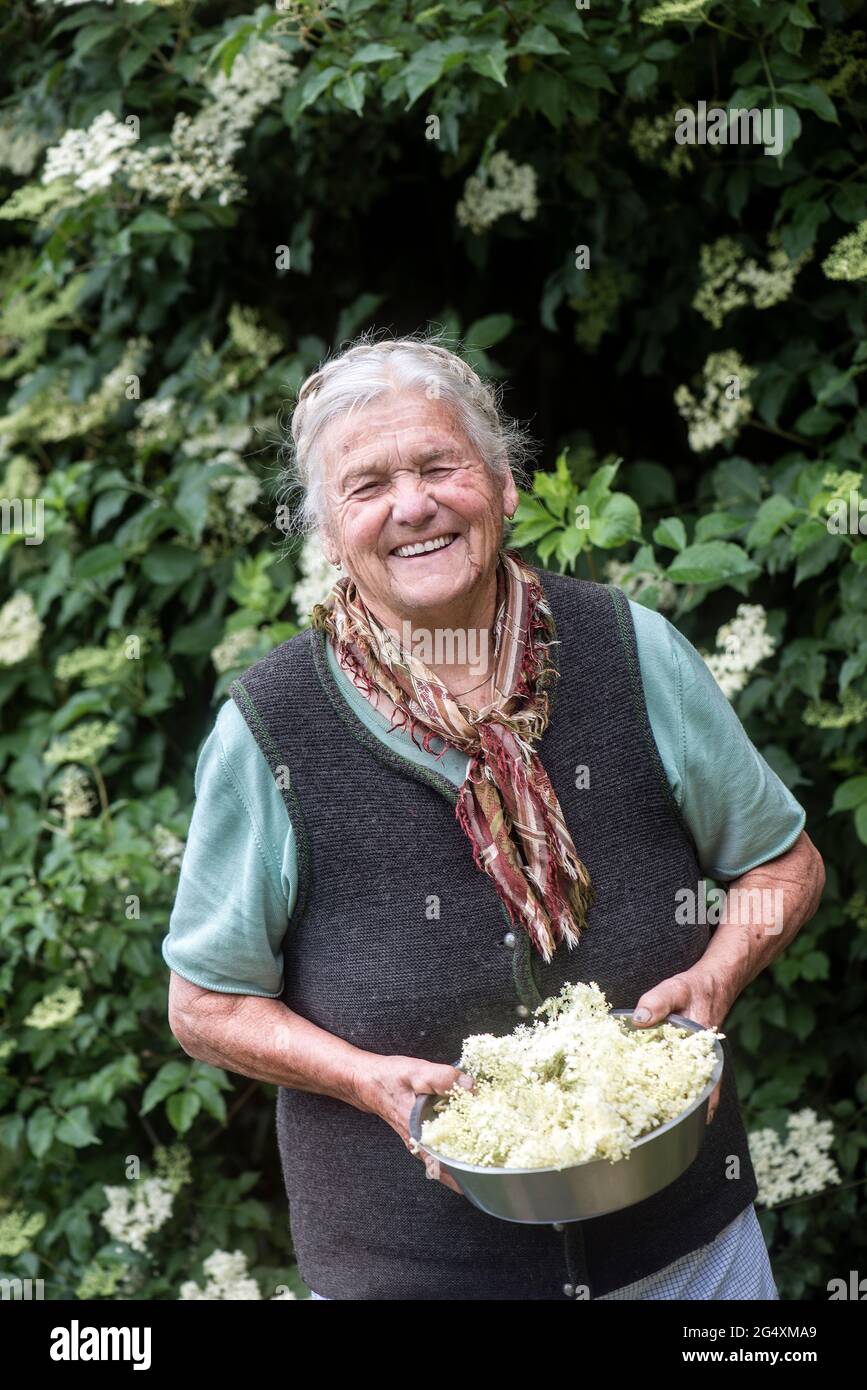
(507, 805)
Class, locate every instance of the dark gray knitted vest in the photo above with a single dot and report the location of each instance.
(377, 838)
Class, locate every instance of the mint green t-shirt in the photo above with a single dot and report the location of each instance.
(239, 877)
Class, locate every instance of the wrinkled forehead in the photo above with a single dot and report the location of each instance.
(391, 432)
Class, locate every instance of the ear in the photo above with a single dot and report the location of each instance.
(510, 497)
(329, 549)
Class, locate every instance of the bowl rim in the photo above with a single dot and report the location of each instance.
(492, 1171)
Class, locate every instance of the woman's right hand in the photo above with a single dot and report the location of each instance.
(390, 1086)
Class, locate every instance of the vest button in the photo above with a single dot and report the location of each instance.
(521, 1010)
(509, 939)
(569, 1290)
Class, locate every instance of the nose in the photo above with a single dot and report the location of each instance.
(412, 505)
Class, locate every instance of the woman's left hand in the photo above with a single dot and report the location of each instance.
(695, 995)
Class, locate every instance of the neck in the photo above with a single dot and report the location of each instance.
(456, 644)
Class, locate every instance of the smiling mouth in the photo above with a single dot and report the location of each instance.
(409, 552)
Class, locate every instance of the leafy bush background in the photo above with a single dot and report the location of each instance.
(159, 516)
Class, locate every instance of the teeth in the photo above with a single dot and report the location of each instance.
(423, 549)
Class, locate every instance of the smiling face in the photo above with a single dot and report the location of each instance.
(413, 513)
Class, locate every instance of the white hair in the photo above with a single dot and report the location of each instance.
(369, 369)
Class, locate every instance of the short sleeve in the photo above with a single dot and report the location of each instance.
(739, 811)
(238, 878)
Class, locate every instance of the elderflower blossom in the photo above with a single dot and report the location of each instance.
(198, 157)
(93, 666)
(100, 1281)
(796, 1165)
(730, 279)
(74, 798)
(847, 259)
(240, 490)
(674, 10)
(248, 335)
(173, 1165)
(718, 415)
(53, 415)
(85, 743)
(230, 652)
(168, 849)
(227, 1278)
(55, 1009)
(20, 146)
(649, 135)
(501, 186)
(17, 1230)
(318, 577)
(745, 642)
(20, 629)
(846, 54)
(824, 714)
(91, 158)
(634, 584)
(583, 1085)
(137, 1210)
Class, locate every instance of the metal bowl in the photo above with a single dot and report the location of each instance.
(583, 1190)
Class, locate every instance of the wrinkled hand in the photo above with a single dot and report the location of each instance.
(390, 1086)
(693, 995)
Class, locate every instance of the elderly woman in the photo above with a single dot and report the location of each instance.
(397, 844)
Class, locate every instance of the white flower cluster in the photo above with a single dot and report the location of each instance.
(671, 10)
(797, 1165)
(137, 1210)
(724, 405)
(91, 158)
(501, 186)
(743, 644)
(230, 652)
(731, 279)
(55, 1009)
(74, 798)
(198, 156)
(85, 742)
(20, 147)
(228, 1278)
(319, 577)
(652, 139)
(622, 575)
(824, 714)
(847, 259)
(168, 849)
(584, 1085)
(20, 629)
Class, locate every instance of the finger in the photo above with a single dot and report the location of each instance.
(669, 997)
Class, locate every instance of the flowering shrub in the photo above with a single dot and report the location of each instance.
(580, 1085)
(197, 203)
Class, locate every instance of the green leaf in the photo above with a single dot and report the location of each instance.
(710, 562)
(813, 98)
(538, 39)
(98, 562)
(150, 223)
(40, 1130)
(170, 564)
(375, 53)
(487, 332)
(641, 81)
(861, 823)
(75, 1128)
(349, 91)
(617, 521)
(772, 515)
(211, 1098)
(850, 794)
(182, 1108)
(316, 84)
(715, 525)
(670, 532)
(168, 1079)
